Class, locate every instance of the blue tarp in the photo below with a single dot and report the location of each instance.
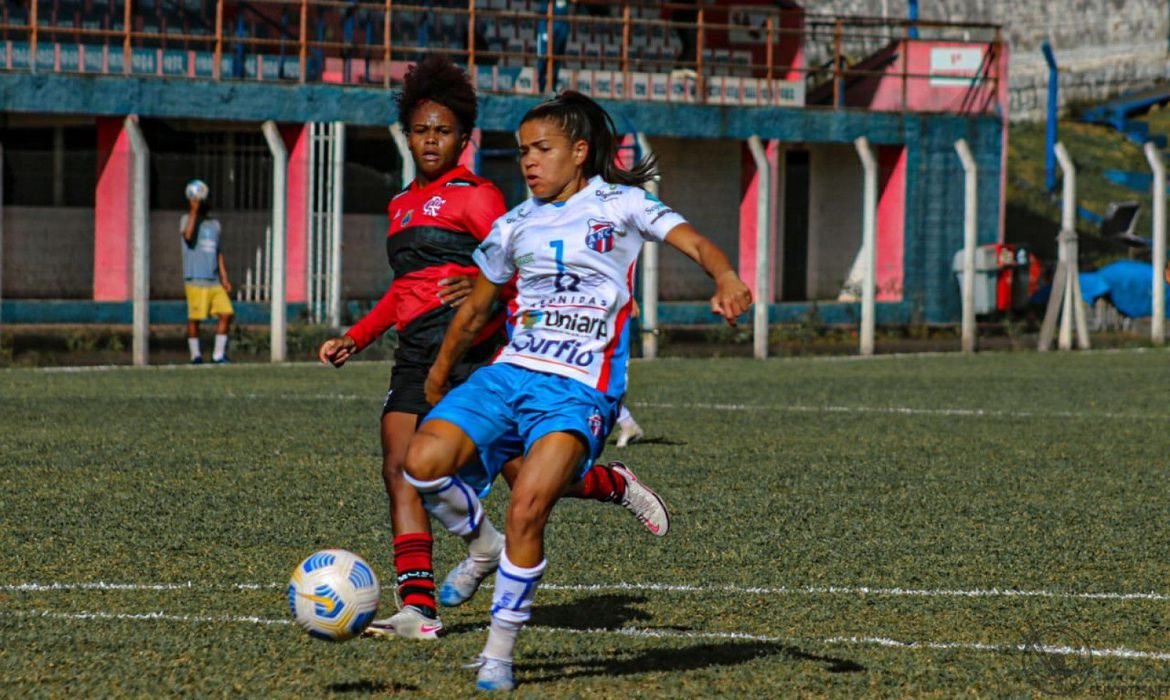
(1127, 284)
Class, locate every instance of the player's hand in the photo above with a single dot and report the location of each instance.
(336, 351)
(227, 286)
(436, 387)
(453, 290)
(732, 297)
(636, 311)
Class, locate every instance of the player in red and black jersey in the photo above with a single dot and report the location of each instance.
(435, 225)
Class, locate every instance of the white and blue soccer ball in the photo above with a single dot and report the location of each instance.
(333, 595)
(197, 190)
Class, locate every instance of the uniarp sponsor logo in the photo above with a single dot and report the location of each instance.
(583, 325)
(567, 351)
(601, 235)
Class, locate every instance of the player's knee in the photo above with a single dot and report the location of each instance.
(528, 512)
(424, 458)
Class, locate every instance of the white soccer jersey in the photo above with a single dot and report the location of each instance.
(575, 261)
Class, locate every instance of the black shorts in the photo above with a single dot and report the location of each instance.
(418, 345)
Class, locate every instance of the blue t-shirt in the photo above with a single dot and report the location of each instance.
(201, 257)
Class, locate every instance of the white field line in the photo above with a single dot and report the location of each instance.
(1116, 652)
(33, 587)
(729, 407)
(902, 410)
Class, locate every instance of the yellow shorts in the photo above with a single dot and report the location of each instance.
(203, 301)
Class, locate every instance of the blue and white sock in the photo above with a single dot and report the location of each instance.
(451, 502)
(511, 606)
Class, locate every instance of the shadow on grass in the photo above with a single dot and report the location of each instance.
(729, 653)
(653, 441)
(368, 687)
(609, 611)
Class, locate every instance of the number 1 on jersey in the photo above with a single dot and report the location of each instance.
(563, 274)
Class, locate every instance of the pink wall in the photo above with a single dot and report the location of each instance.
(296, 140)
(113, 266)
(891, 222)
(748, 219)
(938, 78)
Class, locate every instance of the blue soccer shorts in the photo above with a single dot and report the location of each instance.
(504, 409)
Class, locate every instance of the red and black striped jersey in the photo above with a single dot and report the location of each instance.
(433, 231)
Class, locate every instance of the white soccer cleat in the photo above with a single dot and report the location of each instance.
(407, 623)
(494, 674)
(464, 580)
(641, 500)
(629, 431)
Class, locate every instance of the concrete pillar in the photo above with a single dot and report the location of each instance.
(113, 265)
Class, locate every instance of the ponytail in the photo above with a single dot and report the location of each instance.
(582, 118)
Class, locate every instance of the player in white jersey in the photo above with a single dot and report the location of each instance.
(557, 386)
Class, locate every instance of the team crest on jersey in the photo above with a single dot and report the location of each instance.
(600, 236)
(432, 206)
(595, 423)
(407, 217)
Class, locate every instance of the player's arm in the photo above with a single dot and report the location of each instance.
(192, 223)
(732, 297)
(336, 351)
(223, 274)
(470, 318)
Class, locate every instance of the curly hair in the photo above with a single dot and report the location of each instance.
(437, 79)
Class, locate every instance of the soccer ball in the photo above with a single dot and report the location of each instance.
(197, 189)
(333, 595)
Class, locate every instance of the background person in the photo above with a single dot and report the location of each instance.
(205, 276)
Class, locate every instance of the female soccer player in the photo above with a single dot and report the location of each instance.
(557, 385)
(435, 224)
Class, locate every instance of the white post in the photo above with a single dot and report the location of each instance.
(1158, 320)
(1073, 310)
(763, 250)
(649, 319)
(279, 237)
(313, 224)
(140, 200)
(334, 293)
(868, 241)
(970, 240)
(404, 153)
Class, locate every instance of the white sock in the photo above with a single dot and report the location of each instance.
(451, 502)
(484, 544)
(220, 347)
(511, 606)
(624, 416)
(193, 346)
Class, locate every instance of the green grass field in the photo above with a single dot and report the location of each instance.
(926, 526)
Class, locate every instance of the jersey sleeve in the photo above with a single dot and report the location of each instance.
(649, 215)
(378, 321)
(493, 258)
(484, 207)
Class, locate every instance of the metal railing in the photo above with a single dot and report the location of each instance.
(826, 60)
